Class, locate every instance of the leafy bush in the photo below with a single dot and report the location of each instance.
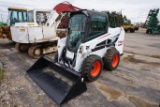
(3, 24)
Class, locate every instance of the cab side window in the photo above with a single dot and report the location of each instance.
(98, 26)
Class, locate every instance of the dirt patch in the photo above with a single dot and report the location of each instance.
(113, 93)
(110, 93)
(140, 103)
(133, 47)
(156, 45)
(131, 58)
(155, 56)
(130, 52)
(7, 45)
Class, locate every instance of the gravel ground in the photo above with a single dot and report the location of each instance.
(135, 83)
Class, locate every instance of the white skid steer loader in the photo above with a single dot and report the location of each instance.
(89, 46)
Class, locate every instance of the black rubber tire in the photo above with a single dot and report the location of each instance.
(109, 58)
(31, 52)
(147, 31)
(126, 30)
(56, 56)
(87, 66)
(22, 47)
(132, 30)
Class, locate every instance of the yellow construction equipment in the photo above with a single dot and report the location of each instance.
(14, 15)
(131, 28)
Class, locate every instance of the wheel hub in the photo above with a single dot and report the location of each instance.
(37, 51)
(96, 67)
(115, 60)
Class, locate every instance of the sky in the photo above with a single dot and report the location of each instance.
(136, 10)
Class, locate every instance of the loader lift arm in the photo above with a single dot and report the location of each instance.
(61, 7)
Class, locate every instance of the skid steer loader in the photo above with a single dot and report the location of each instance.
(89, 46)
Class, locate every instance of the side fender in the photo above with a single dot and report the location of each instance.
(119, 45)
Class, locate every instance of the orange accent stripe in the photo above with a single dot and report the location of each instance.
(119, 44)
(104, 36)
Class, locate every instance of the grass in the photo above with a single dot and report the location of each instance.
(1, 73)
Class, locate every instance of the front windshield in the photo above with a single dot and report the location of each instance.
(18, 16)
(76, 31)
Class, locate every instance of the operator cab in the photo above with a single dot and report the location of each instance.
(85, 25)
(16, 15)
(38, 16)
